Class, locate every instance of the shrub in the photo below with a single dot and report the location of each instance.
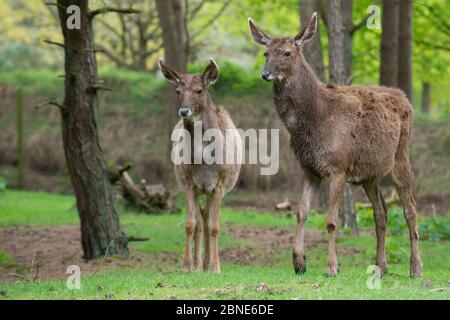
(444, 140)
(435, 228)
(234, 80)
(395, 252)
(2, 184)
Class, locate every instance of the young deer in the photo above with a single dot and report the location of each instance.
(212, 180)
(354, 134)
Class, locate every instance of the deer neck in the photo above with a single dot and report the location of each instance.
(298, 97)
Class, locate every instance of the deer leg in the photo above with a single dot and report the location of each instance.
(402, 178)
(214, 228)
(380, 216)
(298, 252)
(198, 235)
(189, 228)
(337, 184)
(206, 236)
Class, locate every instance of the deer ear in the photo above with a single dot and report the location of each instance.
(307, 33)
(211, 73)
(168, 72)
(258, 35)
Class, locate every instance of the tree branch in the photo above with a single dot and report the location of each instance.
(52, 102)
(54, 4)
(433, 46)
(104, 10)
(62, 45)
(115, 176)
(131, 238)
(359, 25)
(218, 14)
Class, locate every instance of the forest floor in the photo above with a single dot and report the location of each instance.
(39, 239)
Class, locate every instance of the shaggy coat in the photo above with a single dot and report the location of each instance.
(210, 179)
(349, 134)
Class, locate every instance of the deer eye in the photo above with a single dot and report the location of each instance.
(198, 91)
(266, 54)
(178, 91)
(287, 54)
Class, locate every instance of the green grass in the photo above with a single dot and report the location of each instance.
(257, 281)
(235, 282)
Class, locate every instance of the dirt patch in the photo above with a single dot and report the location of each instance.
(52, 250)
(263, 245)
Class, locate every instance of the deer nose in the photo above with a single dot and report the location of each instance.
(266, 75)
(185, 112)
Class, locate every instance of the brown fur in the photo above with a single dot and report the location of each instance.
(212, 180)
(350, 134)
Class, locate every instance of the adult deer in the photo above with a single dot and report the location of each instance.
(354, 134)
(202, 177)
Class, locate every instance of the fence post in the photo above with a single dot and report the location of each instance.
(20, 141)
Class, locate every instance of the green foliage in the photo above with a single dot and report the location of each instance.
(396, 251)
(2, 184)
(138, 87)
(6, 261)
(435, 228)
(37, 81)
(234, 80)
(444, 140)
(396, 224)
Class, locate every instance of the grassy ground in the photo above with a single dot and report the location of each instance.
(262, 279)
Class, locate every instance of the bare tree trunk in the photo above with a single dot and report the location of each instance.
(170, 13)
(347, 209)
(171, 19)
(389, 44)
(405, 48)
(335, 42)
(426, 97)
(313, 51)
(347, 23)
(101, 232)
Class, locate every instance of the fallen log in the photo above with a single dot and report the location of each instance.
(284, 205)
(147, 198)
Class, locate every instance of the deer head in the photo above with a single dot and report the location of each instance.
(282, 53)
(192, 90)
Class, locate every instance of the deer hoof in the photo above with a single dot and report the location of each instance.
(332, 270)
(299, 263)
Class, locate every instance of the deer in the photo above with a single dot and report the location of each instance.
(355, 134)
(213, 180)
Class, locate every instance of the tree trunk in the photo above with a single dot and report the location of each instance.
(335, 42)
(101, 233)
(347, 23)
(170, 13)
(313, 51)
(171, 19)
(426, 97)
(347, 210)
(405, 48)
(389, 44)
(338, 76)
